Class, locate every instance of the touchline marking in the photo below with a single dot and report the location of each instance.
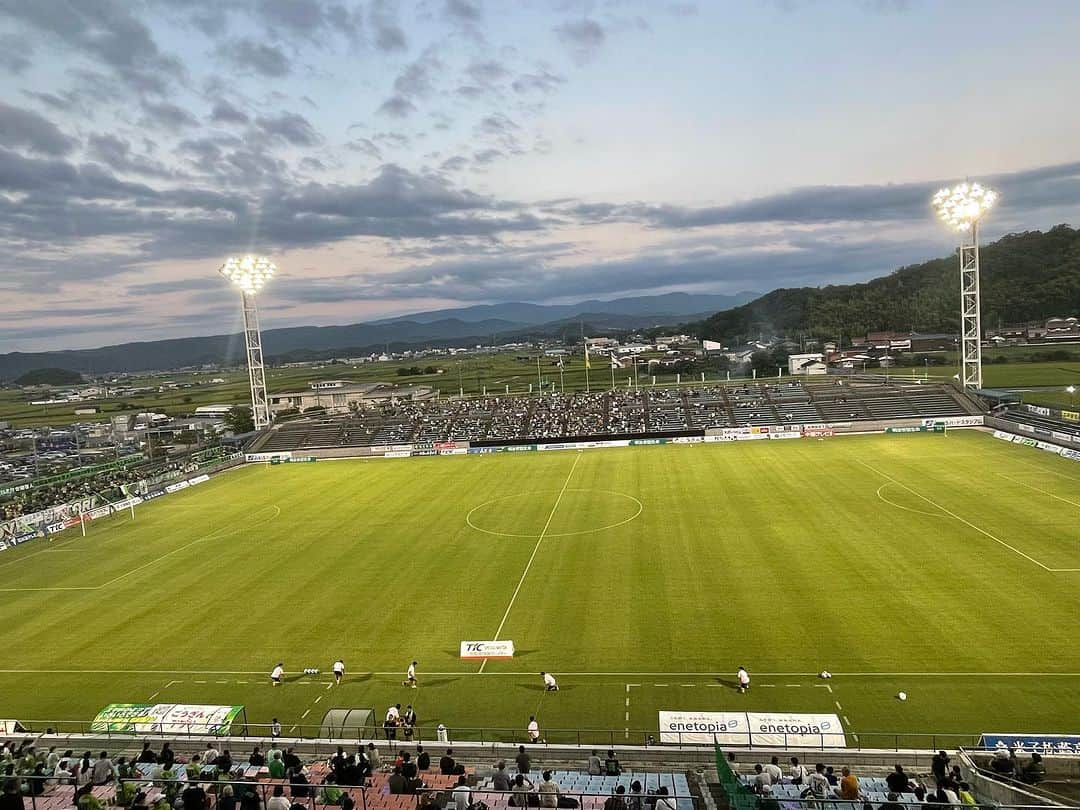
(536, 548)
(933, 503)
(1039, 489)
(529, 674)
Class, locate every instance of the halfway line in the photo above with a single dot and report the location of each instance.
(536, 548)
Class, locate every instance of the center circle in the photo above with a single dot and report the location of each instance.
(502, 516)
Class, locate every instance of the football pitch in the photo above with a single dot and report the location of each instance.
(944, 566)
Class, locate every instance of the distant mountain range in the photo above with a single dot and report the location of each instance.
(447, 327)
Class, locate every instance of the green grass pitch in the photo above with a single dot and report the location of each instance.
(947, 567)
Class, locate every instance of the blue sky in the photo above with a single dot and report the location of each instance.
(399, 156)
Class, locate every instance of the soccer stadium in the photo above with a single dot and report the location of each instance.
(426, 451)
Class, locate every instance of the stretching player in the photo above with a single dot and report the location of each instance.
(339, 671)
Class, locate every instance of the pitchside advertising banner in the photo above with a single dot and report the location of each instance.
(752, 728)
(1064, 744)
(487, 649)
(166, 718)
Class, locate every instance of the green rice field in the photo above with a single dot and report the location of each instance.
(944, 566)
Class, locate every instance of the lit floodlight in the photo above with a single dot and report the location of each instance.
(962, 206)
(249, 273)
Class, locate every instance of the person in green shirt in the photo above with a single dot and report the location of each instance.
(277, 767)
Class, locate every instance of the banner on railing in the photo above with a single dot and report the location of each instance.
(1065, 744)
(166, 718)
(487, 649)
(753, 728)
(10, 727)
(255, 457)
(954, 421)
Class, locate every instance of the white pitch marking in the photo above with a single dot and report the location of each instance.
(660, 684)
(330, 686)
(200, 681)
(829, 687)
(518, 674)
(689, 684)
(305, 714)
(153, 696)
(846, 720)
(536, 548)
(838, 706)
(220, 681)
(933, 503)
(628, 702)
(318, 698)
(795, 685)
(1039, 489)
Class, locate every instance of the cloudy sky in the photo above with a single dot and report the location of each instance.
(394, 156)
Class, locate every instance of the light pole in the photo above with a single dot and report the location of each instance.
(961, 207)
(250, 274)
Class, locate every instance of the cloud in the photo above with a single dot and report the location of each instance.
(388, 35)
(682, 9)
(487, 71)
(15, 53)
(456, 163)
(543, 81)
(167, 116)
(463, 10)
(290, 127)
(32, 131)
(247, 55)
(365, 147)
(106, 31)
(308, 18)
(225, 113)
(582, 38)
(486, 156)
(416, 79)
(397, 106)
(116, 153)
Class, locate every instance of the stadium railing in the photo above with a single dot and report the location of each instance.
(43, 793)
(866, 741)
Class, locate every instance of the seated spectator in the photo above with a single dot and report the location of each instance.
(593, 766)
(167, 757)
(226, 799)
(35, 785)
(408, 767)
(849, 785)
(447, 765)
(549, 791)
(662, 800)
(11, 799)
(611, 764)
(774, 771)
(830, 774)
(618, 800)
(291, 760)
(193, 797)
(636, 799)
(898, 781)
(396, 781)
(249, 799)
(1034, 772)
(256, 760)
(353, 773)
(193, 769)
(147, 756)
(522, 797)
(462, 796)
(966, 796)
(224, 763)
(298, 783)
(423, 759)
(278, 800)
(761, 779)
(892, 801)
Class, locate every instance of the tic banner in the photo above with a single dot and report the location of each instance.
(487, 649)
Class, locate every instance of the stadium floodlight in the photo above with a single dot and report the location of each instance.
(249, 274)
(961, 208)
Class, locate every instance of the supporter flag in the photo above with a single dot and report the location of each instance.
(587, 363)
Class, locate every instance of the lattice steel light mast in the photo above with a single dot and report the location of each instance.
(250, 274)
(961, 207)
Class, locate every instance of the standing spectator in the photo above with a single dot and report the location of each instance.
(277, 767)
(374, 758)
(390, 723)
(939, 766)
(461, 794)
(534, 730)
(210, 755)
(291, 760)
(11, 799)
(194, 797)
(523, 760)
(594, 767)
(408, 722)
(1034, 772)
(500, 780)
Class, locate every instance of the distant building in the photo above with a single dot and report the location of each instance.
(1052, 330)
(213, 410)
(341, 399)
(807, 364)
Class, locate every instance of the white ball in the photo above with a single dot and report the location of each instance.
(825, 674)
(901, 695)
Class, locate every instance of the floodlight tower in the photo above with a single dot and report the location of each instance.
(250, 274)
(961, 207)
